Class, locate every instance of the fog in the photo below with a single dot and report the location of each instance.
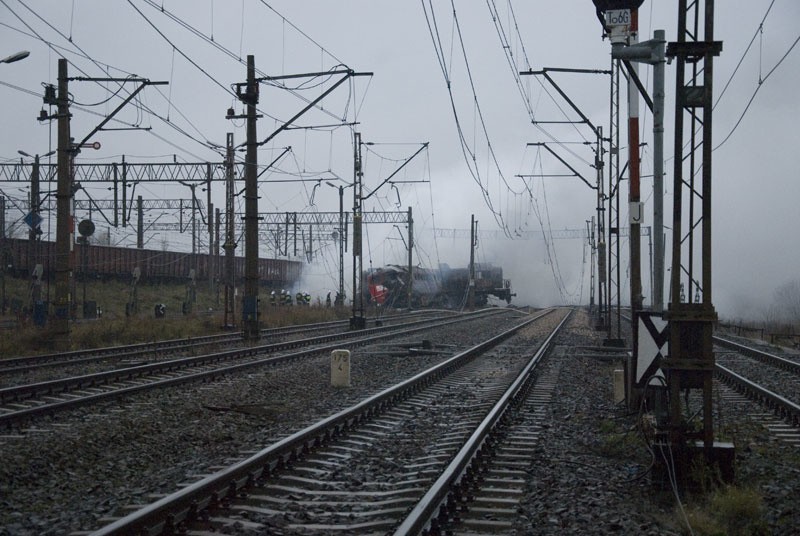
(469, 167)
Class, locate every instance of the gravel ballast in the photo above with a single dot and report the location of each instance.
(588, 474)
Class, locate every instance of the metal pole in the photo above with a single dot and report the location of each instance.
(34, 210)
(658, 174)
(230, 237)
(250, 312)
(3, 259)
(211, 264)
(602, 297)
(614, 178)
(592, 260)
(215, 253)
(210, 208)
(357, 321)
(63, 299)
(124, 193)
(139, 222)
(653, 53)
(116, 197)
(471, 290)
(84, 267)
(634, 194)
(195, 247)
(194, 225)
(342, 232)
(652, 268)
(410, 257)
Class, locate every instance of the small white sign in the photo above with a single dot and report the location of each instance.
(618, 17)
(340, 368)
(635, 213)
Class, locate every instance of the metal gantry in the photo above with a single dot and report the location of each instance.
(690, 363)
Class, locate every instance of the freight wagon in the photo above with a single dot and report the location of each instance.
(107, 262)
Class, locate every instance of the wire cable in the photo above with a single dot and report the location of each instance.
(469, 155)
(238, 57)
(185, 56)
(104, 67)
(755, 92)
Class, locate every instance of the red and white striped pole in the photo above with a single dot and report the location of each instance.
(634, 197)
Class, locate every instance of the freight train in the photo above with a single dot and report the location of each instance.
(446, 287)
(106, 262)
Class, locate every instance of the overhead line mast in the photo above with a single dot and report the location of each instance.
(64, 300)
(248, 93)
(684, 356)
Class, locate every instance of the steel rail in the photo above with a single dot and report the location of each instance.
(14, 364)
(760, 355)
(781, 406)
(60, 387)
(23, 363)
(164, 516)
(765, 357)
(441, 498)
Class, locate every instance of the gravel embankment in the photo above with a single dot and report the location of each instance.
(87, 464)
(587, 475)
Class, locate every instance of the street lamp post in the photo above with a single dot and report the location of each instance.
(21, 55)
(8, 59)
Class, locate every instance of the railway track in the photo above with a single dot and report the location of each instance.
(499, 483)
(20, 404)
(763, 385)
(481, 489)
(134, 352)
(363, 469)
(775, 386)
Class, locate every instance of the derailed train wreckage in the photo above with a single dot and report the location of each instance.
(445, 287)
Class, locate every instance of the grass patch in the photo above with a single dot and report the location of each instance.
(728, 510)
(115, 328)
(616, 441)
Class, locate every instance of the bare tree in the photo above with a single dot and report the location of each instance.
(787, 299)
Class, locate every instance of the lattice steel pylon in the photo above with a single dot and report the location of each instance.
(690, 361)
(230, 236)
(602, 279)
(613, 313)
(358, 320)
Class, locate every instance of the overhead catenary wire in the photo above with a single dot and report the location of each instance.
(315, 80)
(113, 120)
(85, 55)
(515, 72)
(179, 51)
(469, 155)
(755, 92)
(758, 31)
(238, 57)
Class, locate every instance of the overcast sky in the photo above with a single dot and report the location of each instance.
(416, 53)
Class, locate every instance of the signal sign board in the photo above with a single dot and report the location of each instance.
(652, 345)
(32, 220)
(618, 17)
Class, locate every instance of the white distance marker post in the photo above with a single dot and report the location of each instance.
(340, 368)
